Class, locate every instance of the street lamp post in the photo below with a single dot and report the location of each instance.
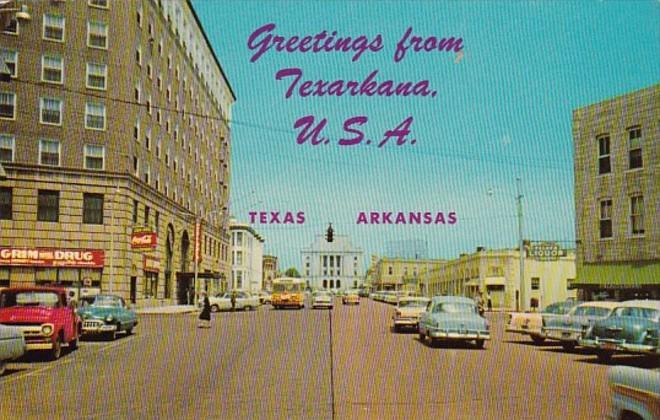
(523, 295)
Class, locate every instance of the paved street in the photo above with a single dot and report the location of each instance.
(277, 364)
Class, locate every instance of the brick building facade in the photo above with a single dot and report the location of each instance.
(114, 122)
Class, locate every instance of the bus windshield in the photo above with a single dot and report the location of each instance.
(287, 287)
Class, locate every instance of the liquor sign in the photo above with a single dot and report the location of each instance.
(52, 257)
(143, 239)
(197, 257)
(151, 264)
(544, 251)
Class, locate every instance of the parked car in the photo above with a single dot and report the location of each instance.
(107, 315)
(453, 318)
(633, 327)
(351, 297)
(322, 299)
(12, 345)
(264, 297)
(569, 328)
(635, 393)
(408, 311)
(43, 316)
(243, 301)
(530, 323)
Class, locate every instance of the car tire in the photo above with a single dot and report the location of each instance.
(73, 344)
(568, 345)
(111, 336)
(56, 351)
(396, 328)
(422, 336)
(480, 343)
(215, 308)
(537, 339)
(129, 331)
(604, 356)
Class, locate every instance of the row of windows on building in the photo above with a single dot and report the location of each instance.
(50, 152)
(48, 210)
(48, 206)
(53, 28)
(635, 220)
(634, 151)
(51, 111)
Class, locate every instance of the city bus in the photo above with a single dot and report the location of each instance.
(288, 292)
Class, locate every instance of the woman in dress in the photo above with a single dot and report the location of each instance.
(205, 315)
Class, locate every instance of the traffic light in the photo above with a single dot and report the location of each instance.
(329, 233)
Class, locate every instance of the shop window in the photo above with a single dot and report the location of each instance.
(93, 208)
(6, 203)
(150, 285)
(48, 206)
(45, 275)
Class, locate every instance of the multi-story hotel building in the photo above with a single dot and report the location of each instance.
(114, 140)
(336, 265)
(617, 196)
(247, 257)
(496, 273)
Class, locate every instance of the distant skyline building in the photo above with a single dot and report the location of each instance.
(336, 265)
(407, 249)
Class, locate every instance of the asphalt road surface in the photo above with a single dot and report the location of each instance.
(269, 364)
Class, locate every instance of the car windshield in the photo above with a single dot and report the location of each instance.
(454, 307)
(558, 308)
(590, 311)
(43, 299)
(647, 313)
(412, 304)
(107, 302)
(321, 294)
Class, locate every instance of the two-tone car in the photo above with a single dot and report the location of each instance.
(530, 323)
(350, 297)
(633, 327)
(12, 345)
(570, 328)
(107, 315)
(453, 318)
(322, 299)
(242, 301)
(43, 315)
(635, 393)
(408, 311)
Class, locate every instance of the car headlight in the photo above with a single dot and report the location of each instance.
(109, 318)
(47, 329)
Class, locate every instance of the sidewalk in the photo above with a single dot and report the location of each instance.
(169, 309)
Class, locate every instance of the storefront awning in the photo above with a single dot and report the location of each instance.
(618, 275)
(495, 281)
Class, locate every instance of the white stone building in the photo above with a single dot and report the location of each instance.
(247, 258)
(336, 265)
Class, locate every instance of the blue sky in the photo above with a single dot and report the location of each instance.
(503, 111)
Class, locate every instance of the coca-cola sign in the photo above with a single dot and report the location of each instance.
(144, 240)
(52, 257)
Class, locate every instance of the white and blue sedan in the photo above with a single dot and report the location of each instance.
(12, 345)
(453, 318)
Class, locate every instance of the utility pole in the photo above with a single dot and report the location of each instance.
(522, 303)
(112, 239)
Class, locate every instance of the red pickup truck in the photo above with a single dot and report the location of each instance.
(42, 313)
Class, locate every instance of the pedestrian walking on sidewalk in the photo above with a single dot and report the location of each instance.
(233, 300)
(490, 303)
(205, 315)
